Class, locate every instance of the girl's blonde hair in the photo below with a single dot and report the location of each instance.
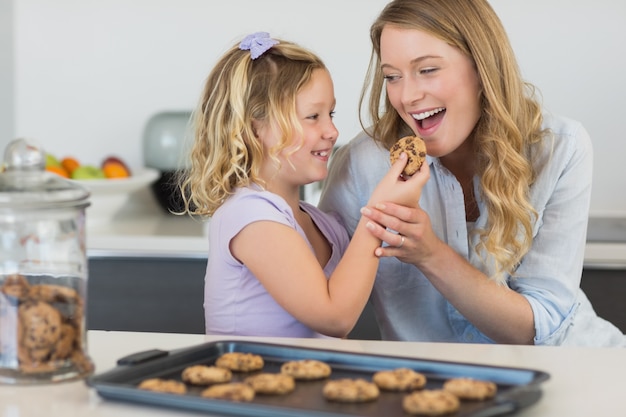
(509, 124)
(225, 153)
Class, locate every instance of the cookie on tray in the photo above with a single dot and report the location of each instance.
(430, 403)
(415, 149)
(233, 391)
(206, 375)
(400, 379)
(267, 383)
(240, 361)
(306, 369)
(471, 389)
(350, 390)
(163, 385)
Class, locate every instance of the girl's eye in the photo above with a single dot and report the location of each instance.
(313, 116)
(390, 77)
(332, 114)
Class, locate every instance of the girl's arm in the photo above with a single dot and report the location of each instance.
(287, 267)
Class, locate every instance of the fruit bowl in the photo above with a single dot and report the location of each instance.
(109, 196)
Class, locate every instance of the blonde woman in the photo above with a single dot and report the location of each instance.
(277, 266)
(494, 252)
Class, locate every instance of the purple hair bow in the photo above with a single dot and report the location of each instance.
(257, 44)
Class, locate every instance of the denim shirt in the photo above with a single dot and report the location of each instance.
(408, 307)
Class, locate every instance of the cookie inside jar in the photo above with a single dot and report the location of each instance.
(42, 329)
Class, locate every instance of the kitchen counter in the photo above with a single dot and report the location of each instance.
(143, 229)
(583, 381)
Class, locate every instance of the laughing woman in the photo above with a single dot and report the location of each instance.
(494, 251)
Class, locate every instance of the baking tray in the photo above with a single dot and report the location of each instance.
(517, 387)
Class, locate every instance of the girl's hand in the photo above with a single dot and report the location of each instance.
(394, 188)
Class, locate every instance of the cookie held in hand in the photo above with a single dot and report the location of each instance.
(415, 149)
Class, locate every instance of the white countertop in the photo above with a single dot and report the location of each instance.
(583, 381)
(142, 228)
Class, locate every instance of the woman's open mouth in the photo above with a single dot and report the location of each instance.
(428, 119)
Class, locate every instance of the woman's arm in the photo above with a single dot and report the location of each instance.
(545, 285)
(500, 313)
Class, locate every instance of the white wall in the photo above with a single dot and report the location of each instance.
(7, 117)
(89, 74)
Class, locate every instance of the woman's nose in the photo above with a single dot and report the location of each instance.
(412, 91)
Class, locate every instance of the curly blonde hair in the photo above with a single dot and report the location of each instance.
(225, 154)
(510, 121)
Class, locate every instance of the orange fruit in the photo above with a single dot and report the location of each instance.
(70, 164)
(59, 170)
(115, 170)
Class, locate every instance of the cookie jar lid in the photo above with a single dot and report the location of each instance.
(26, 185)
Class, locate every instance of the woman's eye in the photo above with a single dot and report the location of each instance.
(313, 116)
(332, 114)
(390, 77)
(428, 70)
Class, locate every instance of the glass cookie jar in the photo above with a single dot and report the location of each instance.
(43, 271)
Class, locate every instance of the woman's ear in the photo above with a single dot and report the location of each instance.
(256, 126)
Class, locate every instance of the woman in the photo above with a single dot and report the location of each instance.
(494, 251)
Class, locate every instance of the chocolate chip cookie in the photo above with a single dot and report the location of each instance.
(306, 369)
(430, 403)
(470, 389)
(350, 390)
(400, 379)
(240, 361)
(415, 149)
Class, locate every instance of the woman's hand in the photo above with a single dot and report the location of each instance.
(395, 206)
(415, 241)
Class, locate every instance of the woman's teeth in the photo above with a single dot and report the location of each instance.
(424, 115)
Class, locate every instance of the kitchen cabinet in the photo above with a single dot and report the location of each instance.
(146, 294)
(165, 295)
(606, 289)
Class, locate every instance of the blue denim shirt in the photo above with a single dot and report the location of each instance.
(408, 307)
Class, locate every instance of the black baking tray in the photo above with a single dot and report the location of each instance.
(517, 387)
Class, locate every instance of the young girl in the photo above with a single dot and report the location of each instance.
(264, 128)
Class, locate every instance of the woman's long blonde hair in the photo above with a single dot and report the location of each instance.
(225, 153)
(509, 124)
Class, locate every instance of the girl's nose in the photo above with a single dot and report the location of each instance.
(331, 132)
